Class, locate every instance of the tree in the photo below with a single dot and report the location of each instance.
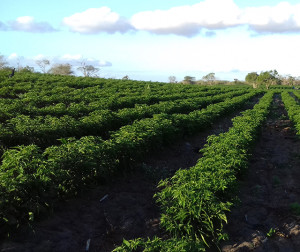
(251, 78)
(288, 80)
(209, 78)
(88, 70)
(61, 69)
(291, 81)
(189, 80)
(172, 79)
(26, 69)
(43, 64)
(3, 63)
(268, 78)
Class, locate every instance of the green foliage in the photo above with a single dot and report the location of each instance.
(45, 130)
(293, 108)
(159, 245)
(26, 69)
(61, 69)
(209, 78)
(41, 108)
(24, 183)
(189, 80)
(271, 232)
(251, 77)
(194, 202)
(295, 207)
(268, 78)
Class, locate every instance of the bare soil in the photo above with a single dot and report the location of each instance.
(125, 208)
(265, 219)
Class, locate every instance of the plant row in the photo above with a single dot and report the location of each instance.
(29, 81)
(31, 179)
(194, 202)
(293, 108)
(48, 85)
(27, 106)
(45, 131)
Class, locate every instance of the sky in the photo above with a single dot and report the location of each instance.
(154, 39)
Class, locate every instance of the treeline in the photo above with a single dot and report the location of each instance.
(264, 79)
(45, 66)
(270, 78)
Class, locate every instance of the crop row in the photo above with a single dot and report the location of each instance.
(31, 179)
(296, 94)
(47, 85)
(293, 108)
(46, 130)
(194, 202)
(80, 107)
(46, 80)
(23, 83)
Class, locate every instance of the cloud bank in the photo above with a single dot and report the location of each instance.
(281, 18)
(190, 20)
(96, 20)
(26, 24)
(73, 59)
(77, 59)
(219, 14)
(205, 17)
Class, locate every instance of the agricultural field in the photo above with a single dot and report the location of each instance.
(90, 164)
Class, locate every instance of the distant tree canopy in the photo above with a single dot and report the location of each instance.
(88, 70)
(172, 79)
(61, 69)
(43, 64)
(189, 80)
(266, 78)
(289, 80)
(251, 77)
(209, 78)
(26, 69)
(3, 63)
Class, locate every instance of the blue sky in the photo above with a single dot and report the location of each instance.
(152, 40)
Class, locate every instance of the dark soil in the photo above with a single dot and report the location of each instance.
(125, 208)
(266, 219)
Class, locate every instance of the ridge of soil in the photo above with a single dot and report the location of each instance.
(265, 219)
(124, 208)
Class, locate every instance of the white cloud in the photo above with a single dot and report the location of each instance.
(283, 17)
(13, 56)
(71, 57)
(205, 17)
(219, 14)
(77, 59)
(189, 20)
(96, 62)
(28, 24)
(104, 63)
(96, 20)
(39, 57)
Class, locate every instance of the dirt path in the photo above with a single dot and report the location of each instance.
(266, 220)
(127, 209)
